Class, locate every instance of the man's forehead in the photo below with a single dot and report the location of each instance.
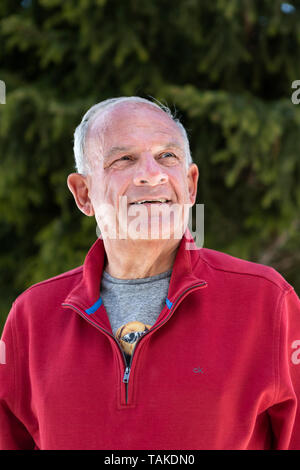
(125, 117)
(132, 129)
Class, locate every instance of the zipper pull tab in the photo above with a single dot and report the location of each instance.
(126, 375)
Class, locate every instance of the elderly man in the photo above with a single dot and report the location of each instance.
(154, 343)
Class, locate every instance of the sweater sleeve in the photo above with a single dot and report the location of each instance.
(285, 413)
(13, 433)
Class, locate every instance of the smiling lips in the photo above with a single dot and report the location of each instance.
(162, 200)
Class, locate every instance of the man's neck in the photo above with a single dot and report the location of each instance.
(136, 259)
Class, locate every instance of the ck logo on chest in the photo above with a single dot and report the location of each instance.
(197, 370)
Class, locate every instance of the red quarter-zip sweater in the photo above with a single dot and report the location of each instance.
(220, 368)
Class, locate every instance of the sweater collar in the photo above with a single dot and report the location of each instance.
(86, 293)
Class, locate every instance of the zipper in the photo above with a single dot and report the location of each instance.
(128, 367)
(126, 376)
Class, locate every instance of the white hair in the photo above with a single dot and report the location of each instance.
(81, 161)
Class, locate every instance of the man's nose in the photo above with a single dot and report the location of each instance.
(149, 172)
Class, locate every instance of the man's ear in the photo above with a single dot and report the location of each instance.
(193, 175)
(78, 186)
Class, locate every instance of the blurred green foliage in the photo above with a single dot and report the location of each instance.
(227, 69)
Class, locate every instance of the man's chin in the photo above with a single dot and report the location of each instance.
(156, 234)
(146, 230)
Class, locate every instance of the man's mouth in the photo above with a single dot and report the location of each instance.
(152, 201)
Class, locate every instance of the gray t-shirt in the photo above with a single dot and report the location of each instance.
(133, 305)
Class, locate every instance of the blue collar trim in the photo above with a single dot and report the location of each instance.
(94, 307)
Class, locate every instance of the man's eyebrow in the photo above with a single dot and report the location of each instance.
(172, 144)
(115, 149)
(118, 149)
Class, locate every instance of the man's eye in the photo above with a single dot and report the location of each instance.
(168, 154)
(124, 156)
(122, 159)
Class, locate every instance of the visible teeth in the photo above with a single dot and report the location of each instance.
(156, 200)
